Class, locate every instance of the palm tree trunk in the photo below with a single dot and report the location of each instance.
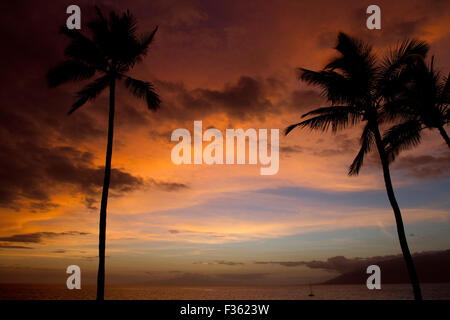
(398, 216)
(102, 226)
(444, 135)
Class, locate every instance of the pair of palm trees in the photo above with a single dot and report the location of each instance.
(359, 89)
(362, 89)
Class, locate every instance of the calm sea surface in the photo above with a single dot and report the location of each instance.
(321, 292)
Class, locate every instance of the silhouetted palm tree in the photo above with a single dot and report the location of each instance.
(420, 97)
(352, 83)
(113, 49)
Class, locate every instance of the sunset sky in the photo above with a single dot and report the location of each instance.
(230, 64)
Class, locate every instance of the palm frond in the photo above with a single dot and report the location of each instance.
(337, 120)
(101, 33)
(288, 129)
(406, 53)
(420, 95)
(335, 87)
(333, 109)
(83, 49)
(367, 141)
(69, 70)
(90, 92)
(403, 107)
(402, 137)
(401, 65)
(143, 90)
(145, 41)
(445, 92)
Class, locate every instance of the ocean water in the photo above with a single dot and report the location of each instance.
(430, 291)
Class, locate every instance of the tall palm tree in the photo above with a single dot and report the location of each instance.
(352, 82)
(420, 97)
(112, 50)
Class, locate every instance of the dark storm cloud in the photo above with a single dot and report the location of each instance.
(302, 101)
(244, 99)
(425, 166)
(30, 167)
(38, 237)
(341, 143)
(29, 171)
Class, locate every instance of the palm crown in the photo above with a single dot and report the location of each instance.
(113, 50)
(354, 83)
(421, 100)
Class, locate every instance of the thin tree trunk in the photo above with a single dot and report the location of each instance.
(398, 217)
(444, 135)
(102, 225)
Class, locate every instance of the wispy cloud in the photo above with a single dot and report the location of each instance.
(38, 237)
(220, 262)
(5, 246)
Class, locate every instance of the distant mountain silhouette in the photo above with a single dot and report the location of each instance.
(431, 267)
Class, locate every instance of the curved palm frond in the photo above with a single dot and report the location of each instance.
(90, 92)
(146, 40)
(69, 70)
(402, 137)
(367, 141)
(406, 53)
(335, 87)
(144, 90)
(399, 68)
(333, 109)
(336, 118)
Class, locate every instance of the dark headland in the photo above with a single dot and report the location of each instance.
(432, 267)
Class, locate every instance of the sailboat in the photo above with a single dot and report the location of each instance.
(311, 294)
